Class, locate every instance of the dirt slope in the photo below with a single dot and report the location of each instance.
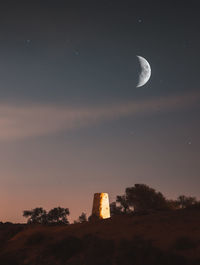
(171, 237)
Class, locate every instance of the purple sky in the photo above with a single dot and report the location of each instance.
(72, 121)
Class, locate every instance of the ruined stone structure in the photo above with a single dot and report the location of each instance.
(101, 206)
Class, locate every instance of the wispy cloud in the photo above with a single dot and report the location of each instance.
(22, 121)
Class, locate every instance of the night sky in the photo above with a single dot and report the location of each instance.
(72, 121)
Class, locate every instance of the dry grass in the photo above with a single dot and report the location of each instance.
(164, 233)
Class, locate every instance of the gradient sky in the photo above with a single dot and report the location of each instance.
(72, 121)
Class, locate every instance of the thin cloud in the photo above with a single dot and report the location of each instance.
(19, 122)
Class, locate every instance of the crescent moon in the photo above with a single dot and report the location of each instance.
(145, 73)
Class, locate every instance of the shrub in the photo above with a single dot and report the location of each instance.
(81, 219)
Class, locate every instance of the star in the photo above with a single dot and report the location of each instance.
(76, 52)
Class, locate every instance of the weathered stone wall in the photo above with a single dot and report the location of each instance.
(101, 206)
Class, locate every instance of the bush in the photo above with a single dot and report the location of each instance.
(82, 218)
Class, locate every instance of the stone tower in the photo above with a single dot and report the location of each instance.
(101, 206)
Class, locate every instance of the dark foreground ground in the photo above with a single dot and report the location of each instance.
(164, 238)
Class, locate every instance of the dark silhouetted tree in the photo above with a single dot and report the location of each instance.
(82, 218)
(123, 202)
(186, 201)
(114, 209)
(36, 216)
(40, 216)
(172, 204)
(58, 215)
(144, 198)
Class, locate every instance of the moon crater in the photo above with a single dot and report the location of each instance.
(145, 73)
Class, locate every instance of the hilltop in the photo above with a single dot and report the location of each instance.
(160, 238)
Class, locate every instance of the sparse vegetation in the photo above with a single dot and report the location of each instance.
(82, 218)
(115, 209)
(186, 201)
(108, 242)
(36, 216)
(56, 215)
(139, 198)
(124, 239)
(143, 199)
